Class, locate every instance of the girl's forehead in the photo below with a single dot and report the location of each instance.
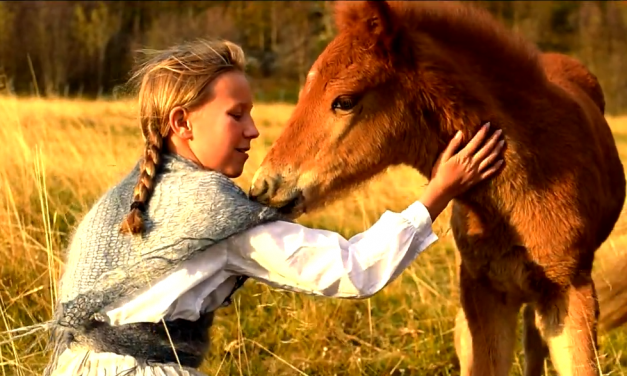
(228, 90)
(233, 85)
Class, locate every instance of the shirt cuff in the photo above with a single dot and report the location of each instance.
(418, 215)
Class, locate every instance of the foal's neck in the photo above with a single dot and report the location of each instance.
(469, 69)
(466, 69)
(468, 60)
(461, 31)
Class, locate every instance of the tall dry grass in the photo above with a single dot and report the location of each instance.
(58, 156)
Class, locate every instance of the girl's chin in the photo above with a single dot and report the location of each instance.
(234, 170)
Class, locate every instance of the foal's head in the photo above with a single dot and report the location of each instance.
(357, 114)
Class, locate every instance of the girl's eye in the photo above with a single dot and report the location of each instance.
(236, 116)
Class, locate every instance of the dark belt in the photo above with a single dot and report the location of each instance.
(151, 343)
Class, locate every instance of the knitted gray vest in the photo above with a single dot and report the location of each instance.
(189, 210)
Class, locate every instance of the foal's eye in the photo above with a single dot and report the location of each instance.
(343, 103)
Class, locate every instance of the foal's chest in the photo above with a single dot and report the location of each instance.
(497, 250)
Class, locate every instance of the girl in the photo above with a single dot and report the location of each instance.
(168, 245)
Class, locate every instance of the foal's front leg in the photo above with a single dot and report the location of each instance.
(485, 334)
(568, 323)
(536, 350)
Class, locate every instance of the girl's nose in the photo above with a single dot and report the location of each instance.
(251, 131)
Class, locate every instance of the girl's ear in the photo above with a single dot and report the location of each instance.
(179, 123)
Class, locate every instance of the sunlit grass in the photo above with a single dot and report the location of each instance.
(57, 157)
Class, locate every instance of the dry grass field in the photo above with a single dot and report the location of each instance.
(58, 156)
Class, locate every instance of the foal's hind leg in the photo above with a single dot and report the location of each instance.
(485, 339)
(568, 325)
(535, 348)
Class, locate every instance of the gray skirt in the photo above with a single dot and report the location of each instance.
(80, 361)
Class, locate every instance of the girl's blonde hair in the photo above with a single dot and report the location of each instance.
(177, 76)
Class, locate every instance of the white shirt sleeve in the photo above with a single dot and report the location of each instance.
(321, 262)
(288, 256)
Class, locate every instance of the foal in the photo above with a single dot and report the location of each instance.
(392, 88)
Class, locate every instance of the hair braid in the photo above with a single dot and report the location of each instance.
(134, 223)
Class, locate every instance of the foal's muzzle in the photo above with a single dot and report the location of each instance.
(275, 191)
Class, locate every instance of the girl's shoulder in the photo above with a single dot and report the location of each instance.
(207, 198)
(182, 196)
(197, 186)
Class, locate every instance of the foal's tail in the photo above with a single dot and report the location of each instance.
(611, 289)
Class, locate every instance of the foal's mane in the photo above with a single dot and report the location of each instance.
(453, 24)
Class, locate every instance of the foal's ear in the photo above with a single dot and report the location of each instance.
(372, 17)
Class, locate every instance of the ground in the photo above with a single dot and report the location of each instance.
(58, 156)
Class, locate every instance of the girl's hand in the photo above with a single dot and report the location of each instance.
(453, 174)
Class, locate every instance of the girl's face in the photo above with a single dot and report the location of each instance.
(217, 135)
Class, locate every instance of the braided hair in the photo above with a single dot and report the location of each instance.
(177, 76)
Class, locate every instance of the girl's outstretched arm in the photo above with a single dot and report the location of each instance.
(315, 261)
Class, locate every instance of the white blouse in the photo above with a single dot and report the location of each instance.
(288, 256)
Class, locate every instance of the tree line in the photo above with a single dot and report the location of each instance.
(87, 48)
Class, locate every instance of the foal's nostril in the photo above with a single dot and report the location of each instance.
(258, 188)
(262, 189)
